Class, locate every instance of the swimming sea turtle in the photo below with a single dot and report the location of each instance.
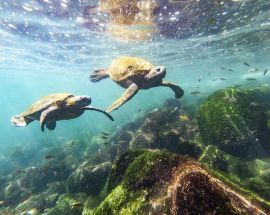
(134, 73)
(54, 107)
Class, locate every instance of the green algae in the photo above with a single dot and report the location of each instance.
(64, 205)
(123, 162)
(241, 187)
(122, 201)
(251, 175)
(139, 171)
(147, 175)
(149, 168)
(235, 121)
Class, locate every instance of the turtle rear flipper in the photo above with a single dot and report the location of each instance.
(20, 121)
(129, 93)
(47, 116)
(98, 75)
(51, 125)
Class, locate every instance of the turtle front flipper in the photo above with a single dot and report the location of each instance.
(98, 75)
(47, 116)
(20, 120)
(179, 92)
(129, 93)
(99, 110)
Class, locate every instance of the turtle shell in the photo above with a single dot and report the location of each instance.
(129, 68)
(45, 102)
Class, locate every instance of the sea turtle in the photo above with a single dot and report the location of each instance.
(134, 73)
(54, 107)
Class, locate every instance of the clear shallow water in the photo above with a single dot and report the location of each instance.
(45, 48)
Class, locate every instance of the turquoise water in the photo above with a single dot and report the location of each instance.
(45, 47)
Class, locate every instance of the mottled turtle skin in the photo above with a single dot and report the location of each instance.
(54, 107)
(134, 73)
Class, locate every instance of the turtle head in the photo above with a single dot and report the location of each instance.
(78, 102)
(156, 74)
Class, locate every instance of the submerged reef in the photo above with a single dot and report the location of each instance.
(170, 127)
(236, 121)
(88, 178)
(171, 160)
(234, 128)
(158, 182)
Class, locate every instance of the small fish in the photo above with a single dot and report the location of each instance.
(238, 85)
(173, 111)
(105, 133)
(211, 21)
(19, 171)
(72, 143)
(231, 70)
(33, 211)
(223, 68)
(200, 78)
(184, 117)
(254, 104)
(139, 110)
(195, 93)
(265, 71)
(209, 74)
(105, 137)
(106, 143)
(48, 157)
(251, 79)
(27, 196)
(246, 64)
(253, 70)
(76, 204)
(122, 142)
(223, 79)
(213, 79)
(2, 202)
(228, 116)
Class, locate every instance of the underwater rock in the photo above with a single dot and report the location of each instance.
(68, 205)
(236, 121)
(19, 156)
(39, 201)
(33, 179)
(121, 166)
(159, 182)
(56, 187)
(14, 192)
(252, 174)
(88, 178)
(3, 183)
(170, 127)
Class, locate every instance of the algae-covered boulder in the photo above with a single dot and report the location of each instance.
(39, 201)
(33, 179)
(68, 205)
(236, 121)
(89, 178)
(169, 127)
(159, 182)
(249, 174)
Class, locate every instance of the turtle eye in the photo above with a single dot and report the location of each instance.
(158, 69)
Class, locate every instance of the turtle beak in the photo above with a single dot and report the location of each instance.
(99, 110)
